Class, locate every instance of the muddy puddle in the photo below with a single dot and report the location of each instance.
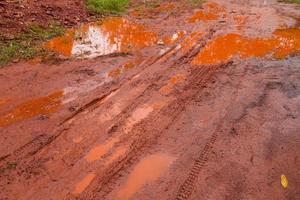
(100, 150)
(148, 170)
(283, 43)
(83, 184)
(40, 106)
(113, 35)
(211, 11)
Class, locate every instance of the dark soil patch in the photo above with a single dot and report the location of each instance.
(16, 15)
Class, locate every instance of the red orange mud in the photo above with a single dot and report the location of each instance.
(29, 109)
(211, 112)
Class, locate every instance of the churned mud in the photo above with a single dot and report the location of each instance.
(163, 103)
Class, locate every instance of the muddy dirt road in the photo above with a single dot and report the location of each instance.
(167, 103)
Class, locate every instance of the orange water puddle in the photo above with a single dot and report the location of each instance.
(99, 151)
(119, 152)
(174, 38)
(172, 82)
(202, 16)
(83, 184)
(114, 35)
(32, 108)
(212, 11)
(103, 149)
(116, 73)
(284, 42)
(147, 170)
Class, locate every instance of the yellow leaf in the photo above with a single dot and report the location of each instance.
(284, 181)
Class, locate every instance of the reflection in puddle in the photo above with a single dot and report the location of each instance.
(114, 35)
(84, 183)
(289, 42)
(32, 108)
(99, 151)
(175, 37)
(148, 170)
(222, 49)
(62, 45)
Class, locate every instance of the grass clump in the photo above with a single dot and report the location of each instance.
(293, 1)
(107, 6)
(195, 3)
(28, 44)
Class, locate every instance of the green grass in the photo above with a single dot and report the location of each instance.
(195, 3)
(107, 6)
(28, 44)
(293, 1)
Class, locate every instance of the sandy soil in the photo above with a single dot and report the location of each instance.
(167, 103)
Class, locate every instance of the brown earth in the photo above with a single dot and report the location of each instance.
(16, 15)
(168, 103)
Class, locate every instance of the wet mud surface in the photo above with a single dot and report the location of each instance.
(159, 104)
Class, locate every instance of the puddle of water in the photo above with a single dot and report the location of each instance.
(116, 155)
(212, 11)
(83, 184)
(99, 151)
(289, 42)
(148, 170)
(138, 115)
(172, 82)
(62, 45)
(174, 38)
(202, 16)
(32, 108)
(214, 7)
(114, 35)
(222, 49)
(115, 73)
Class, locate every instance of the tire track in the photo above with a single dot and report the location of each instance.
(186, 188)
(104, 184)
